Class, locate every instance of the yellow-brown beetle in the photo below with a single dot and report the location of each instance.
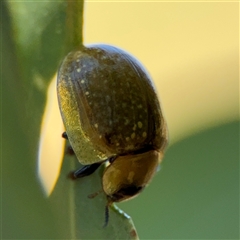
(111, 112)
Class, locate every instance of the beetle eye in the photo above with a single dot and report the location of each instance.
(126, 192)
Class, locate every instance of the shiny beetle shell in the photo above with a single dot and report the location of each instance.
(110, 110)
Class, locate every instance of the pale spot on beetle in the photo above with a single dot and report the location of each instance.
(130, 176)
(86, 93)
(69, 78)
(78, 54)
(96, 125)
(133, 135)
(124, 105)
(117, 144)
(100, 136)
(78, 70)
(134, 127)
(127, 139)
(144, 134)
(82, 81)
(126, 121)
(108, 98)
(140, 124)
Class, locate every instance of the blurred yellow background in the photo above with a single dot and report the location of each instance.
(189, 48)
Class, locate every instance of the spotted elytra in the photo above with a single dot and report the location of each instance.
(111, 112)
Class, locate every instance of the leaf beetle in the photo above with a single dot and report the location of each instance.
(111, 112)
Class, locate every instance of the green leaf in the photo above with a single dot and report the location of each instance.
(36, 37)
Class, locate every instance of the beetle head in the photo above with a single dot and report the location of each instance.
(127, 175)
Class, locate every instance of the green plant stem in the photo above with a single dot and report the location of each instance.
(74, 24)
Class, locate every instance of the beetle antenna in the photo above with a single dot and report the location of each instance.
(106, 216)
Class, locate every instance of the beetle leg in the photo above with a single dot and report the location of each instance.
(93, 195)
(69, 151)
(64, 135)
(86, 170)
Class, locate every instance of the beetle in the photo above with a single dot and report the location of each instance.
(111, 113)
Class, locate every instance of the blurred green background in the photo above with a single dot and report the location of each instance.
(192, 54)
(196, 193)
